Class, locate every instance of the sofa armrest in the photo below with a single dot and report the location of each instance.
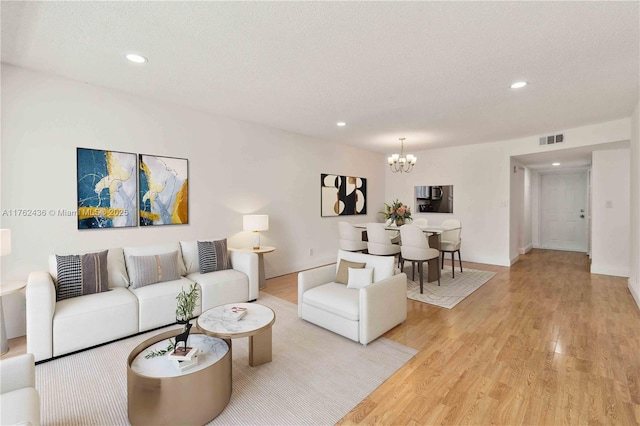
(383, 305)
(17, 372)
(247, 263)
(40, 297)
(313, 278)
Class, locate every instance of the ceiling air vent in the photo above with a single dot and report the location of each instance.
(548, 140)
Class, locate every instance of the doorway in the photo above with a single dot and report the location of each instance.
(564, 212)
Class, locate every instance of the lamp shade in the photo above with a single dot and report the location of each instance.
(255, 222)
(5, 242)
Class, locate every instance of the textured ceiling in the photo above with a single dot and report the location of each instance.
(437, 73)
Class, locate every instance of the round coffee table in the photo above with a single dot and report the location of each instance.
(159, 393)
(256, 324)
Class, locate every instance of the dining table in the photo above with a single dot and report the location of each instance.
(433, 234)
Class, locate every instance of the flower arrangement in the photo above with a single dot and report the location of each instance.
(397, 212)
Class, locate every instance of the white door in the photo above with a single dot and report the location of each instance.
(563, 211)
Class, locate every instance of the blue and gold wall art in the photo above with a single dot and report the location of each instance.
(342, 195)
(164, 190)
(107, 190)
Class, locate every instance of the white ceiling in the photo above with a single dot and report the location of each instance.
(437, 73)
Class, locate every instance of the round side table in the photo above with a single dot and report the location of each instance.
(260, 252)
(7, 287)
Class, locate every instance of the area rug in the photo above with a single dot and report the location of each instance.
(451, 291)
(316, 377)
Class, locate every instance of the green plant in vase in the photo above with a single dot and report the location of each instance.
(184, 314)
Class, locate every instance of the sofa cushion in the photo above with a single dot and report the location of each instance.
(335, 298)
(213, 256)
(157, 303)
(342, 275)
(221, 287)
(152, 250)
(360, 278)
(145, 270)
(86, 321)
(115, 265)
(383, 266)
(80, 275)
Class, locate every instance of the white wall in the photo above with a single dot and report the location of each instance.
(481, 177)
(527, 242)
(610, 212)
(234, 168)
(634, 276)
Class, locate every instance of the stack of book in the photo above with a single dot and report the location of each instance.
(184, 357)
(235, 313)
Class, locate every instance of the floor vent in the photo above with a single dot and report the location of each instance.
(549, 140)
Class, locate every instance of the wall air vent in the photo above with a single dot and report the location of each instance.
(548, 140)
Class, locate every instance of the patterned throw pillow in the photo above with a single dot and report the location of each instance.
(213, 256)
(153, 269)
(79, 275)
(342, 276)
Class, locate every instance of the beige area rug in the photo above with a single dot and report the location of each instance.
(451, 291)
(316, 377)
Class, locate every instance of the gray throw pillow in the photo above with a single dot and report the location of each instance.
(213, 256)
(153, 269)
(79, 275)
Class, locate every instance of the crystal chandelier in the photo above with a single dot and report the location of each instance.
(400, 163)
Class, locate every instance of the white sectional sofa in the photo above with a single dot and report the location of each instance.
(58, 328)
(19, 399)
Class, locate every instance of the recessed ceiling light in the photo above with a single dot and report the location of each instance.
(138, 59)
(519, 84)
(341, 124)
(555, 164)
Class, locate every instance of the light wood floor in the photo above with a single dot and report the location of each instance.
(543, 343)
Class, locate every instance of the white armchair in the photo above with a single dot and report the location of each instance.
(360, 314)
(19, 398)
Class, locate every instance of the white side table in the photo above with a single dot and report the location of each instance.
(7, 287)
(260, 252)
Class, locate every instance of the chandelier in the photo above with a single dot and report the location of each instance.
(400, 163)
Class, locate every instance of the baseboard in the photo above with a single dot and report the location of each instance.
(514, 260)
(536, 245)
(634, 294)
(526, 249)
(612, 271)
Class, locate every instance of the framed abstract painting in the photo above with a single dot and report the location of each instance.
(164, 190)
(342, 195)
(107, 188)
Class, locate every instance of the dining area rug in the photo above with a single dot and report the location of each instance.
(451, 291)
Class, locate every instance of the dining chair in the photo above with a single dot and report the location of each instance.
(450, 242)
(415, 248)
(351, 238)
(379, 242)
(420, 222)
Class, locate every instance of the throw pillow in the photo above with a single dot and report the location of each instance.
(342, 276)
(213, 256)
(153, 269)
(79, 275)
(360, 278)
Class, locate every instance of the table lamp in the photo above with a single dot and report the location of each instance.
(5, 242)
(255, 223)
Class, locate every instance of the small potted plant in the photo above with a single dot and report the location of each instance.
(184, 314)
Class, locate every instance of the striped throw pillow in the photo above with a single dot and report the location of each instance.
(213, 256)
(79, 275)
(153, 269)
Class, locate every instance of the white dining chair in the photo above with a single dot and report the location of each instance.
(420, 222)
(351, 238)
(415, 248)
(379, 242)
(450, 242)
